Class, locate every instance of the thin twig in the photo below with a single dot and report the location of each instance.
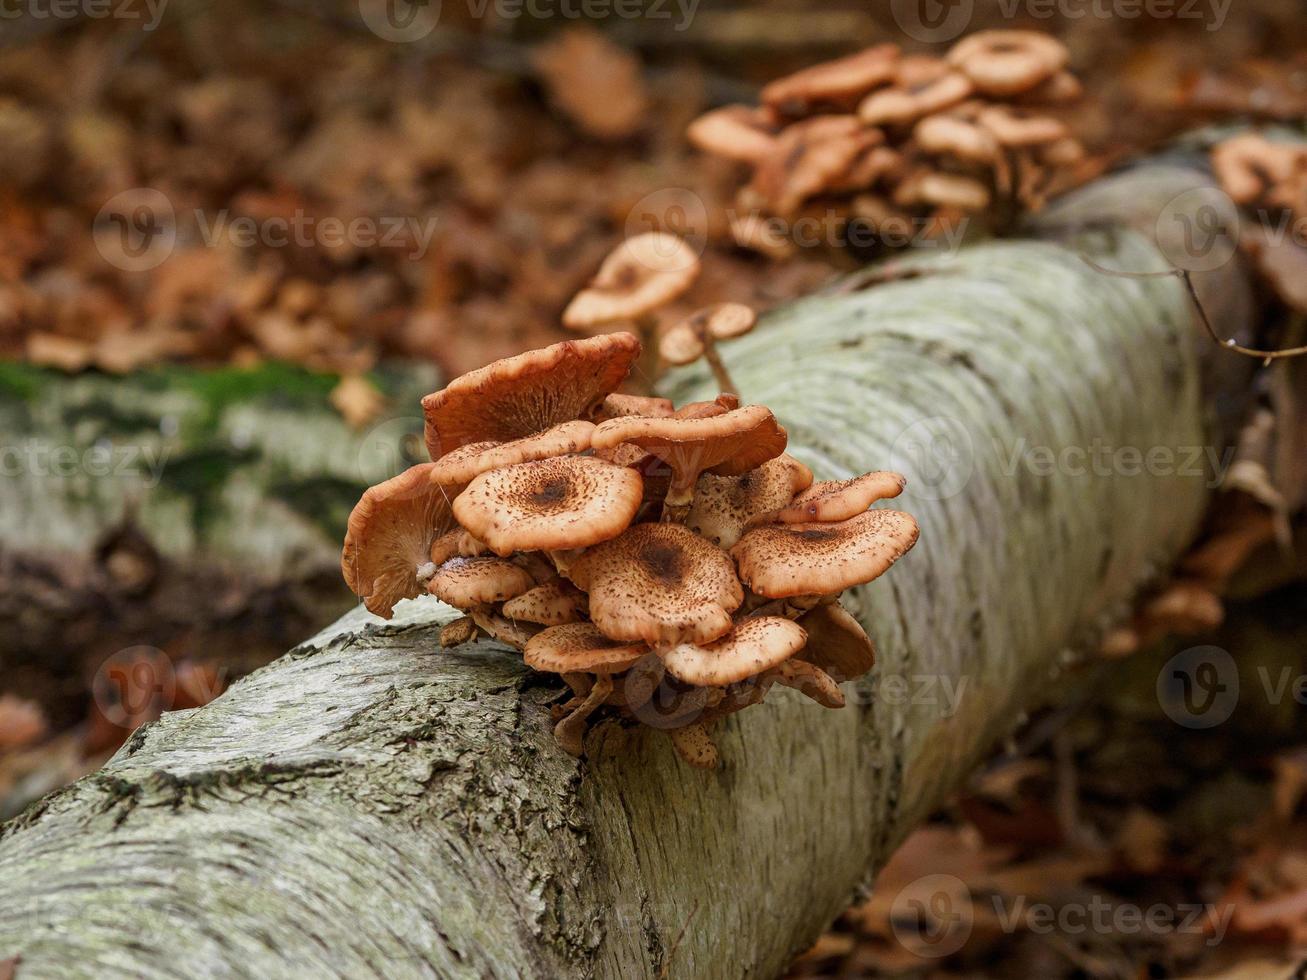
(665, 972)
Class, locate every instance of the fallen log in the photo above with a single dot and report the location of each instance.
(370, 804)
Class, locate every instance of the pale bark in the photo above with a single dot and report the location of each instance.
(372, 805)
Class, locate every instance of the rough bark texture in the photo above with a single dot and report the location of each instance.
(181, 502)
(371, 805)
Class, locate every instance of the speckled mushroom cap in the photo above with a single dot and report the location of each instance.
(837, 643)
(1005, 63)
(685, 341)
(640, 275)
(723, 403)
(724, 505)
(733, 132)
(783, 560)
(838, 82)
(726, 444)
(838, 500)
(550, 504)
(901, 105)
(466, 463)
(580, 647)
(527, 393)
(389, 536)
(466, 583)
(755, 645)
(554, 603)
(618, 405)
(659, 583)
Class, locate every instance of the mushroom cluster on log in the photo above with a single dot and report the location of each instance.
(670, 565)
(897, 142)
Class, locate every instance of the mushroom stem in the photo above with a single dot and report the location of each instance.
(724, 380)
(503, 630)
(792, 607)
(810, 681)
(649, 366)
(570, 730)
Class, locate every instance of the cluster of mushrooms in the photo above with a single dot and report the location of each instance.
(670, 565)
(895, 140)
(1259, 173)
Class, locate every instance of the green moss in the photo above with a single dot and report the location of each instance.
(24, 381)
(324, 501)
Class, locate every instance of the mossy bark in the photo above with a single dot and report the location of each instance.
(370, 804)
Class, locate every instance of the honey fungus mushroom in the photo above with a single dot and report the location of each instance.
(832, 84)
(838, 500)
(1005, 63)
(528, 393)
(696, 336)
(548, 504)
(727, 444)
(554, 603)
(389, 537)
(724, 506)
(659, 584)
(734, 132)
(785, 561)
(753, 646)
(464, 464)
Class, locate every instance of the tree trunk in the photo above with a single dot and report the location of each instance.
(370, 804)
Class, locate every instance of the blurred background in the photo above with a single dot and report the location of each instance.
(239, 240)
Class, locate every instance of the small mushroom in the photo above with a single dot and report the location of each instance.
(950, 135)
(810, 681)
(389, 537)
(1249, 166)
(838, 500)
(694, 745)
(810, 157)
(1019, 127)
(528, 393)
(465, 463)
(1005, 63)
(697, 335)
(725, 505)
(659, 584)
(942, 189)
(1062, 88)
(786, 560)
(734, 132)
(725, 445)
(838, 83)
(899, 106)
(837, 643)
(554, 603)
(470, 583)
(458, 631)
(618, 405)
(550, 504)
(727, 401)
(753, 646)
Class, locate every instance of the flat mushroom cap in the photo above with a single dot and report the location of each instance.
(578, 647)
(783, 560)
(1017, 127)
(640, 275)
(685, 342)
(755, 645)
(1008, 62)
(899, 106)
(724, 505)
(838, 500)
(550, 504)
(527, 393)
(618, 405)
(835, 81)
(837, 643)
(660, 583)
(389, 536)
(726, 444)
(460, 467)
(735, 132)
(553, 604)
(466, 583)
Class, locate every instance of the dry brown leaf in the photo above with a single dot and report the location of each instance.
(22, 723)
(595, 82)
(357, 400)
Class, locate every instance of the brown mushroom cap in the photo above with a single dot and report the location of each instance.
(735, 132)
(838, 500)
(527, 393)
(783, 560)
(660, 583)
(810, 157)
(755, 645)
(389, 537)
(724, 505)
(727, 401)
(942, 189)
(618, 405)
(837, 643)
(1249, 165)
(1006, 63)
(460, 467)
(902, 105)
(466, 583)
(726, 444)
(839, 82)
(640, 275)
(694, 745)
(550, 504)
(960, 138)
(1018, 127)
(685, 342)
(580, 647)
(458, 631)
(554, 603)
